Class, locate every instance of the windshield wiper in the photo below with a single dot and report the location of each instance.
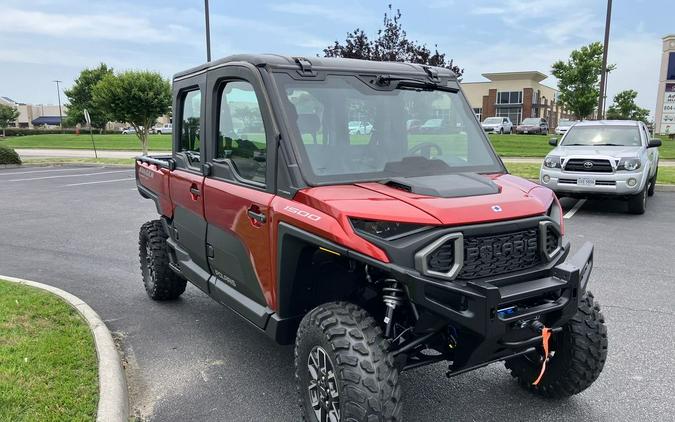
(403, 83)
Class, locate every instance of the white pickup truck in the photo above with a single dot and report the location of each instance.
(164, 129)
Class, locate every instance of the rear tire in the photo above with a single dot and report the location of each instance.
(342, 367)
(160, 281)
(638, 203)
(580, 354)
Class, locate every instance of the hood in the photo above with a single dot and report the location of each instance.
(599, 151)
(515, 198)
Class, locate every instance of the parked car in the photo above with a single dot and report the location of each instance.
(615, 158)
(533, 125)
(435, 126)
(128, 130)
(497, 125)
(563, 126)
(360, 128)
(413, 125)
(371, 259)
(165, 129)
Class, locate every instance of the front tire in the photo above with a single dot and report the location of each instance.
(160, 281)
(342, 367)
(637, 204)
(652, 183)
(580, 354)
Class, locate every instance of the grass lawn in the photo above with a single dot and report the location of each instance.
(109, 142)
(101, 161)
(531, 171)
(48, 367)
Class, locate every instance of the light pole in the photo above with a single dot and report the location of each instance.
(208, 31)
(58, 93)
(605, 47)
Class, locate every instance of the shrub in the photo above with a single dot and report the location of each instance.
(14, 131)
(8, 156)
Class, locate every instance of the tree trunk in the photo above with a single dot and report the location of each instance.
(3, 132)
(144, 141)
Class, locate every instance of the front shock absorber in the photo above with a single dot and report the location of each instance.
(392, 296)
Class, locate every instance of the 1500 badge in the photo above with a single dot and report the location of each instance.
(302, 213)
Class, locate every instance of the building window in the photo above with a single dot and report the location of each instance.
(478, 112)
(670, 73)
(515, 114)
(510, 97)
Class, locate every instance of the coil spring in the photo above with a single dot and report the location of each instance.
(393, 294)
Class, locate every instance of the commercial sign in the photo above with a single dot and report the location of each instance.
(668, 115)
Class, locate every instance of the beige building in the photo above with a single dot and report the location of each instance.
(31, 115)
(665, 100)
(517, 95)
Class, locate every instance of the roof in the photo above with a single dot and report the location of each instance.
(607, 123)
(47, 120)
(320, 63)
(512, 76)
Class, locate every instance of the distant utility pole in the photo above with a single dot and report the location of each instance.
(58, 92)
(605, 47)
(208, 31)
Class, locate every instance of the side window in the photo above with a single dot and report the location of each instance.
(241, 131)
(189, 127)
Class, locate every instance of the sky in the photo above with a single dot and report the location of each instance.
(42, 40)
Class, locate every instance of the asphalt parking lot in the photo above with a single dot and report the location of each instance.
(77, 228)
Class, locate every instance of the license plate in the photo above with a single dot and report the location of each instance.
(586, 181)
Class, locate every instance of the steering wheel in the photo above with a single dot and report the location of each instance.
(425, 149)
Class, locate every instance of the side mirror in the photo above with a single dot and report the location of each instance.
(553, 142)
(654, 143)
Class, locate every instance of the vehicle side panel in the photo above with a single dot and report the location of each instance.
(156, 180)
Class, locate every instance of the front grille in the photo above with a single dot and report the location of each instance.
(588, 165)
(442, 259)
(597, 182)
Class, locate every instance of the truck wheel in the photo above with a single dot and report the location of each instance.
(652, 183)
(161, 282)
(580, 354)
(638, 203)
(342, 367)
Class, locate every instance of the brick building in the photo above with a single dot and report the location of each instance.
(665, 101)
(517, 95)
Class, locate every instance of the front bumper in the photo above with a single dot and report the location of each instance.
(615, 183)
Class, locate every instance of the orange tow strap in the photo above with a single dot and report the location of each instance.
(545, 336)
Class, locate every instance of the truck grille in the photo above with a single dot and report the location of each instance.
(588, 165)
(491, 255)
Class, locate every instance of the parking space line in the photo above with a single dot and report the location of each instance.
(100, 181)
(48, 171)
(569, 214)
(69, 175)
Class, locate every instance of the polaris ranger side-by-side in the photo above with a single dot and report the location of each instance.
(373, 251)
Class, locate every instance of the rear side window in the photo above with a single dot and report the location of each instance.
(189, 131)
(241, 131)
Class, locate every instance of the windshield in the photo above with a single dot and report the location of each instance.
(398, 132)
(493, 120)
(602, 135)
(531, 121)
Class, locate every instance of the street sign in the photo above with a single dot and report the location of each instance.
(668, 112)
(87, 117)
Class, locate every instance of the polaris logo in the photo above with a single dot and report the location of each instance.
(496, 208)
(147, 173)
(488, 251)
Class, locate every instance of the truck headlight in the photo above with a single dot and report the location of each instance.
(387, 230)
(552, 161)
(629, 164)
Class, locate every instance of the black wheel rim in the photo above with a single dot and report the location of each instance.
(323, 389)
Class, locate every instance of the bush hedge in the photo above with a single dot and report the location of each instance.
(15, 131)
(8, 156)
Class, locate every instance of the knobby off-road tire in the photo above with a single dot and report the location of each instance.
(580, 354)
(363, 380)
(637, 204)
(161, 283)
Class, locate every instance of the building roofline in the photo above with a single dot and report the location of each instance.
(534, 75)
(668, 37)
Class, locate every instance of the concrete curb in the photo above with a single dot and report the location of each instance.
(113, 402)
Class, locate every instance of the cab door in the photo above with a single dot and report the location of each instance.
(187, 181)
(238, 192)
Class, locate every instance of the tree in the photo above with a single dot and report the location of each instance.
(80, 97)
(391, 44)
(579, 79)
(134, 97)
(8, 114)
(624, 107)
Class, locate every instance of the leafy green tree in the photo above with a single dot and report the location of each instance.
(579, 79)
(392, 44)
(8, 114)
(80, 97)
(624, 107)
(134, 97)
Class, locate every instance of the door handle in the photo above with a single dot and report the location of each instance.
(256, 215)
(194, 190)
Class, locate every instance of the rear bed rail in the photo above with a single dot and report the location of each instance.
(165, 162)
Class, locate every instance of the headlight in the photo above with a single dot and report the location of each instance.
(629, 164)
(387, 230)
(552, 161)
